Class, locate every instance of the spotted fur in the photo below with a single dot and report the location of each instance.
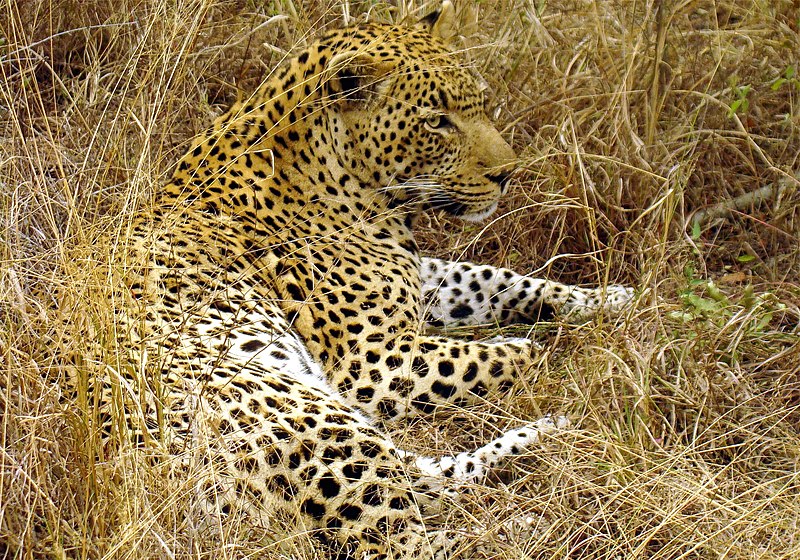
(277, 292)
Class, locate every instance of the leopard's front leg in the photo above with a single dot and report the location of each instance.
(467, 294)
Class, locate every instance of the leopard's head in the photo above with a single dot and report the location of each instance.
(408, 117)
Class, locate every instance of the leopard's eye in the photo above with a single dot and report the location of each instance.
(435, 120)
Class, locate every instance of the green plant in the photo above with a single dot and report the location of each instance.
(789, 77)
(703, 300)
(741, 103)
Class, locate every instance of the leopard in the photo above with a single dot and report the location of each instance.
(279, 303)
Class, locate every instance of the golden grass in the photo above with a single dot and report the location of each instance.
(629, 117)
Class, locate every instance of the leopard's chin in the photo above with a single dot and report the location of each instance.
(474, 211)
(479, 216)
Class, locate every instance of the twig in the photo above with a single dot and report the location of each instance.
(742, 202)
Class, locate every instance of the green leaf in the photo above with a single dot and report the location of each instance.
(746, 258)
(702, 304)
(763, 322)
(681, 316)
(715, 293)
(695, 230)
(748, 299)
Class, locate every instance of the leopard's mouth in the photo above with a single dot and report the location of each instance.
(473, 208)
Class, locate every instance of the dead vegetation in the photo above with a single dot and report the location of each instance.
(643, 127)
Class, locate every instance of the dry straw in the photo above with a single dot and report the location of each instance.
(658, 146)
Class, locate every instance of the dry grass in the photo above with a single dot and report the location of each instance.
(629, 117)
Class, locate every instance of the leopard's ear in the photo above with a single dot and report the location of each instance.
(354, 76)
(442, 23)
